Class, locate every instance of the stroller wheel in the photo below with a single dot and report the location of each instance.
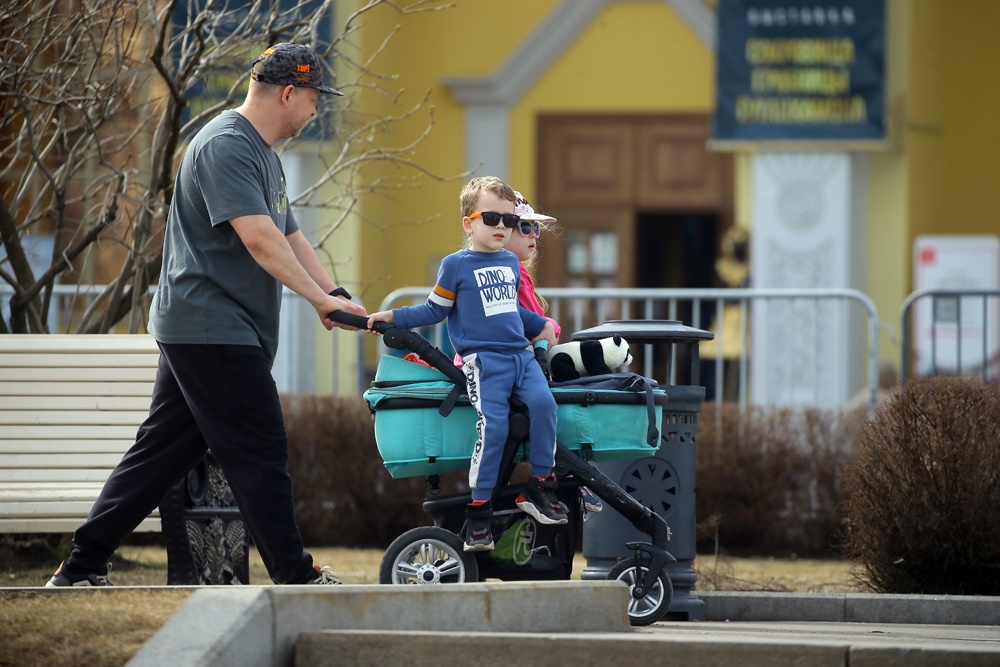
(427, 555)
(654, 605)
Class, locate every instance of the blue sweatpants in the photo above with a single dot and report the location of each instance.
(492, 378)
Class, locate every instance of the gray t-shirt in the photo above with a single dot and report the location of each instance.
(211, 289)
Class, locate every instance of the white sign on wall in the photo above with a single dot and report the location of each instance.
(956, 335)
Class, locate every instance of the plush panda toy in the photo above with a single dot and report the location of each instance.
(570, 361)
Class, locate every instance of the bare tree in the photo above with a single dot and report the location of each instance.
(98, 99)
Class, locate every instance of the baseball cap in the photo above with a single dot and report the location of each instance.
(289, 64)
(523, 210)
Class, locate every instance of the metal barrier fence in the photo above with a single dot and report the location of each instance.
(951, 332)
(726, 312)
(726, 361)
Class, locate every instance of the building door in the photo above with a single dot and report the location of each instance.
(627, 190)
(640, 201)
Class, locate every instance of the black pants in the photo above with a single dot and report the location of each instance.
(218, 398)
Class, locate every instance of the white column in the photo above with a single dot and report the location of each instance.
(808, 231)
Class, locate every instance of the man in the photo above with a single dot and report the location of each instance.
(231, 243)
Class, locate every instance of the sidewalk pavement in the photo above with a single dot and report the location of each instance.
(576, 623)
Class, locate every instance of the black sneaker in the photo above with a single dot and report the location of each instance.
(539, 500)
(478, 535)
(62, 578)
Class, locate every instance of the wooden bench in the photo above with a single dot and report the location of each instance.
(70, 406)
(69, 409)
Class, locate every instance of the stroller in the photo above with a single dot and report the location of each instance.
(425, 426)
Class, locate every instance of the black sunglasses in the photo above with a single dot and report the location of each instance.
(492, 218)
(527, 227)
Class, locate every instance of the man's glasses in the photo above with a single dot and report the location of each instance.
(492, 218)
(527, 228)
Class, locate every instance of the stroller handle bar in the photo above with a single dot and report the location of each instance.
(404, 339)
(358, 321)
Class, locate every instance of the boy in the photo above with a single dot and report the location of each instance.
(476, 290)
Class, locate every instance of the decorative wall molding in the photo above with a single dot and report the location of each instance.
(488, 99)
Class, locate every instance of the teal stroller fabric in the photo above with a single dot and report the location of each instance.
(414, 439)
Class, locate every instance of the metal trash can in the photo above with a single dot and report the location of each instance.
(664, 482)
(207, 542)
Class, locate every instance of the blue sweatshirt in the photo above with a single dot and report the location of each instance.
(477, 292)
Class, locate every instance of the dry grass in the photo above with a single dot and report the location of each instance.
(105, 627)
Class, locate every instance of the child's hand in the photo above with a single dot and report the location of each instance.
(381, 316)
(548, 334)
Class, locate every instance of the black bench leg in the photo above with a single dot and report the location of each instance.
(206, 539)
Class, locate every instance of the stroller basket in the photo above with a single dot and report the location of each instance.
(598, 423)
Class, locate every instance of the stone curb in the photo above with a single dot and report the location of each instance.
(250, 626)
(852, 608)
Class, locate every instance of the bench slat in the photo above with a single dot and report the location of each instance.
(45, 418)
(10, 490)
(96, 388)
(79, 344)
(98, 360)
(35, 525)
(77, 402)
(92, 432)
(55, 475)
(8, 374)
(67, 446)
(87, 460)
(48, 509)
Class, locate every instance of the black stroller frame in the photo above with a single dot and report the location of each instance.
(435, 554)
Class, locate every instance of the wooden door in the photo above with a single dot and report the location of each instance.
(598, 173)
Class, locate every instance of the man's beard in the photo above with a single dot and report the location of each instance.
(290, 131)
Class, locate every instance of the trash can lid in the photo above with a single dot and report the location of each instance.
(650, 331)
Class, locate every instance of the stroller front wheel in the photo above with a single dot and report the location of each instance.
(654, 604)
(427, 555)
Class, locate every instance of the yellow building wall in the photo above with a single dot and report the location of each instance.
(970, 111)
(634, 58)
(888, 205)
(935, 177)
(406, 231)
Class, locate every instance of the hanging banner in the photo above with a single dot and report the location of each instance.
(792, 72)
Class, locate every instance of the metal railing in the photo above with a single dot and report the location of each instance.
(956, 333)
(577, 309)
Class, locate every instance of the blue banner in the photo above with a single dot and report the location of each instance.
(794, 72)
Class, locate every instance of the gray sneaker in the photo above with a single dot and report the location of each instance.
(325, 576)
(62, 578)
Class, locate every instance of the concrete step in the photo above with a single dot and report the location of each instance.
(249, 626)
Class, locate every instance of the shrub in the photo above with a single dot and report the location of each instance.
(770, 480)
(343, 494)
(924, 491)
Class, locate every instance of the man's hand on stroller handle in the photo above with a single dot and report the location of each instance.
(361, 322)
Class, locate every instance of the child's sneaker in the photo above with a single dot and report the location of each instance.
(325, 576)
(591, 503)
(478, 535)
(539, 500)
(63, 578)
